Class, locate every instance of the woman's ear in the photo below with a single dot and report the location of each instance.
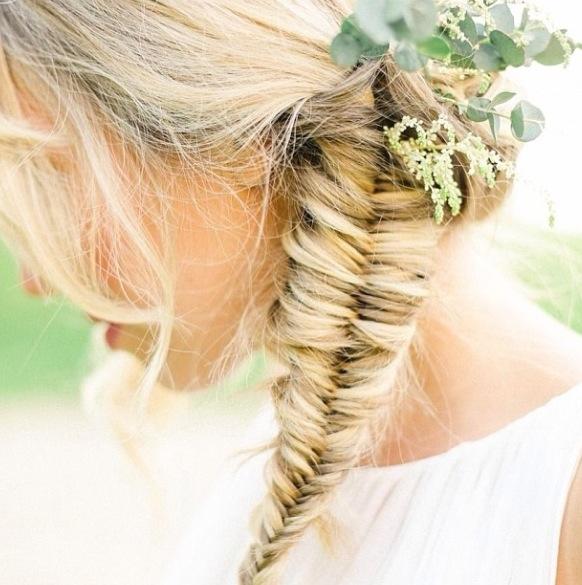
(242, 166)
(254, 167)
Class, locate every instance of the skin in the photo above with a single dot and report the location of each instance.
(491, 354)
(474, 379)
(219, 264)
(215, 245)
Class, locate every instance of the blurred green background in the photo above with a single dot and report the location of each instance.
(44, 343)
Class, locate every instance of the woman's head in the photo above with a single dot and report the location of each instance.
(204, 174)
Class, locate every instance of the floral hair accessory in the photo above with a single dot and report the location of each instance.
(476, 37)
(469, 37)
(430, 159)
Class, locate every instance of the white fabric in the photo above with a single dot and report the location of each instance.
(486, 512)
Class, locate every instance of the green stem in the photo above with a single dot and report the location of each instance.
(466, 104)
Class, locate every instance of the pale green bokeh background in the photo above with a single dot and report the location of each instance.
(43, 342)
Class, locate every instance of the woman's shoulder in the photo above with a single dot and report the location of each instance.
(569, 570)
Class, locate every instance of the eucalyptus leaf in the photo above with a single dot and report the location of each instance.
(494, 124)
(434, 47)
(503, 18)
(507, 49)
(395, 9)
(469, 29)
(368, 15)
(408, 58)
(478, 109)
(487, 58)
(524, 18)
(480, 30)
(458, 60)
(421, 17)
(537, 39)
(375, 51)
(350, 27)
(553, 54)
(460, 47)
(369, 47)
(401, 31)
(502, 98)
(527, 121)
(345, 50)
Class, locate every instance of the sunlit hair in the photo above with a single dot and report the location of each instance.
(215, 86)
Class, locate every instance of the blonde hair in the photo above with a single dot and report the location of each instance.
(217, 85)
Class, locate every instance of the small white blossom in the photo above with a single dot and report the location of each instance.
(430, 159)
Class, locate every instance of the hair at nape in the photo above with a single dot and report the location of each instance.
(207, 83)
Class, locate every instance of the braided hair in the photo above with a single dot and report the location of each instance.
(360, 249)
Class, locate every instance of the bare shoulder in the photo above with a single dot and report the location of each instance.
(570, 549)
(568, 360)
(569, 571)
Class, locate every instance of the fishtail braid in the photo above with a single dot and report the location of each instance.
(359, 253)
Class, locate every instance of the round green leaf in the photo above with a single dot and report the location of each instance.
(421, 17)
(502, 98)
(469, 29)
(507, 49)
(494, 124)
(434, 47)
(503, 18)
(350, 27)
(395, 9)
(527, 121)
(369, 47)
(487, 58)
(401, 30)
(478, 109)
(408, 58)
(375, 51)
(459, 47)
(345, 50)
(553, 54)
(537, 38)
(369, 16)
(461, 61)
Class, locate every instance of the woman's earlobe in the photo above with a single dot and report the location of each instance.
(31, 283)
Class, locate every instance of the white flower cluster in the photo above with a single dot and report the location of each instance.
(428, 156)
(453, 13)
(451, 21)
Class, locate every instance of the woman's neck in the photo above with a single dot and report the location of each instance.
(486, 353)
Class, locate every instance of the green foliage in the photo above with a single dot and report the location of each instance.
(527, 121)
(434, 47)
(556, 51)
(482, 36)
(507, 48)
(346, 50)
(503, 18)
(478, 109)
(408, 58)
(429, 153)
(44, 343)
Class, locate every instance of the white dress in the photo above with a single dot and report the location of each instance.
(485, 512)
